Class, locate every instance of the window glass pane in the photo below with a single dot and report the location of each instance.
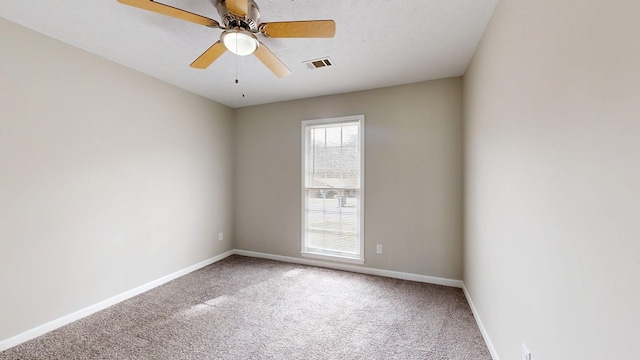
(318, 137)
(332, 214)
(332, 221)
(334, 136)
(350, 135)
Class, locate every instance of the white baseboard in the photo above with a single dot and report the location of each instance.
(483, 331)
(386, 273)
(353, 268)
(52, 325)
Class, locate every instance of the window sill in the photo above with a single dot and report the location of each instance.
(332, 257)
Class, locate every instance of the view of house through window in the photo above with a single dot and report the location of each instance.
(332, 188)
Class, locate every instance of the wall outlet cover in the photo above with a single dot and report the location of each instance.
(526, 354)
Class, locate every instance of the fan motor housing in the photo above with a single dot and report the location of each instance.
(249, 22)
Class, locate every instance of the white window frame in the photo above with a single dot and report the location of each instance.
(317, 253)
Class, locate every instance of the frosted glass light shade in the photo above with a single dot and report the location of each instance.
(239, 42)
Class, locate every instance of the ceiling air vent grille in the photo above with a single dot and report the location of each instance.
(318, 63)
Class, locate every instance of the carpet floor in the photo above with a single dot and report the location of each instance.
(247, 308)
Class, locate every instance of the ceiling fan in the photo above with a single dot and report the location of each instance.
(240, 22)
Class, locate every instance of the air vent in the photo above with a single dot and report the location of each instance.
(318, 63)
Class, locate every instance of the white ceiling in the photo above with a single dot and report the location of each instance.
(378, 43)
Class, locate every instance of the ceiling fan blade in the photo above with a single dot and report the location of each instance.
(171, 11)
(271, 61)
(299, 29)
(209, 56)
(238, 7)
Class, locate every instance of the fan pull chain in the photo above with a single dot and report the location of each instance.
(237, 71)
(243, 69)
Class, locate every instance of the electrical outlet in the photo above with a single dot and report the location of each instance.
(220, 236)
(379, 249)
(526, 355)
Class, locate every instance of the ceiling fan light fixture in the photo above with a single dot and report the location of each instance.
(239, 42)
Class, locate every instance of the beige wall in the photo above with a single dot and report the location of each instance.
(413, 175)
(552, 113)
(109, 179)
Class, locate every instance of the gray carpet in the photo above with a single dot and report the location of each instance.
(246, 308)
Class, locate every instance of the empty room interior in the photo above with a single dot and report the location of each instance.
(496, 161)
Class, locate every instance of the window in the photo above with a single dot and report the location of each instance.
(332, 183)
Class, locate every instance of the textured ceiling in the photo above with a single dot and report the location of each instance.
(378, 43)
